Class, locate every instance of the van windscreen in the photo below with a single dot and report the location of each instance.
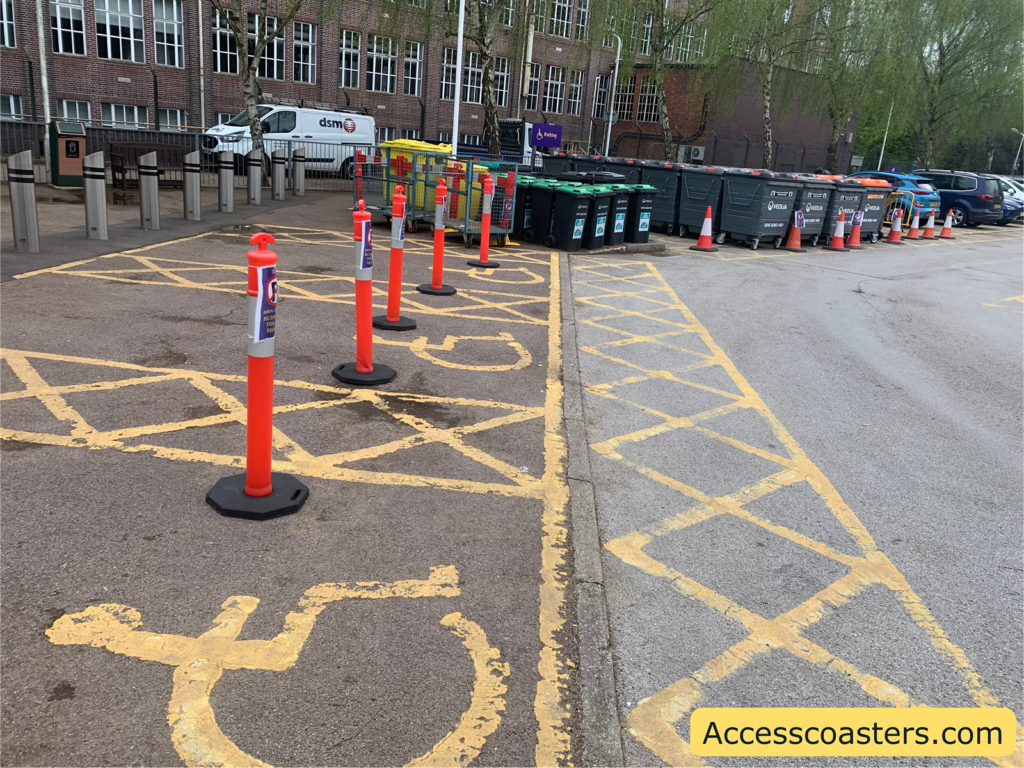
(242, 118)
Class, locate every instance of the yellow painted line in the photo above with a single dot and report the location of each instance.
(653, 721)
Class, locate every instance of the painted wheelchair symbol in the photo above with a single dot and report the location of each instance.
(200, 661)
(421, 349)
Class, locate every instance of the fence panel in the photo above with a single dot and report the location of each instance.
(19, 135)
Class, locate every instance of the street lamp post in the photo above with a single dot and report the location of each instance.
(1017, 156)
(458, 79)
(886, 137)
(611, 97)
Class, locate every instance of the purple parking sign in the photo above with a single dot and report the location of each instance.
(542, 135)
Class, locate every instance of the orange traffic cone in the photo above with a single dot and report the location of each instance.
(897, 226)
(929, 228)
(704, 241)
(793, 242)
(947, 228)
(853, 241)
(915, 224)
(837, 237)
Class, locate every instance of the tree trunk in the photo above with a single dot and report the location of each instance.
(666, 127)
(990, 152)
(491, 130)
(766, 107)
(250, 97)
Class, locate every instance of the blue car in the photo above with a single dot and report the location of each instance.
(917, 188)
(970, 198)
(1011, 211)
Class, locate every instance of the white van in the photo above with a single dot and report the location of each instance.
(329, 138)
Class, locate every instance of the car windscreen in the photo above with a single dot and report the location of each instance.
(242, 118)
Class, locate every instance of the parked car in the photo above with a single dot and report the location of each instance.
(1011, 188)
(971, 198)
(1011, 211)
(329, 138)
(924, 195)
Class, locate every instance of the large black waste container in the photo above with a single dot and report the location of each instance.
(590, 163)
(568, 217)
(699, 187)
(756, 205)
(597, 218)
(638, 217)
(848, 197)
(559, 163)
(665, 178)
(543, 200)
(874, 206)
(812, 200)
(580, 177)
(628, 167)
(617, 215)
(592, 177)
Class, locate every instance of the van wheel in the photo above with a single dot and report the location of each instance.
(346, 168)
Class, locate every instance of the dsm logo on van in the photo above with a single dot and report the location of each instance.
(348, 124)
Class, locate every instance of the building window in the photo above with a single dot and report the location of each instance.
(691, 43)
(412, 81)
(647, 111)
(540, 11)
(470, 138)
(612, 22)
(10, 107)
(385, 134)
(74, 110)
(172, 119)
(411, 133)
(473, 79)
(554, 90)
(67, 26)
(601, 86)
(448, 75)
(561, 18)
(500, 81)
(167, 33)
(7, 23)
(223, 117)
(624, 95)
(272, 61)
(508, 13)
(381, 64)
(124, 115)
(534, 87)
(575, 93)
(119, 30)
(348, 77)
(582, 19)
(645, 42)
(633, 24)
(444, 138)
(304, 52)
(225, 49)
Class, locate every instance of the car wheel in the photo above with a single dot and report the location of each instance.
(960, 218)
(346, 168)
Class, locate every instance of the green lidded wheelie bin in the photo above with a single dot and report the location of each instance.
(628, 167)
(756, 205)
(537, 224)
(699, 187)
(619, 212)
(876, 202)
(597, 219)
(568, 220)
(848, 198)
(812, 200)
(638, 217)
(522, 216)
(665, 178)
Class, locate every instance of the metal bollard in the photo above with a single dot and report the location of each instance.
(226, 182)
(277, 163)
(193, 201)
(149, 192)
(94, 175)
(299, 172)
(254, 177)
(25, 220)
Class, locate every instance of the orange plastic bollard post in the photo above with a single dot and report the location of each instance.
(485, 226)
(363, 372)
(436, 286)
(393, 320)
(259, 493)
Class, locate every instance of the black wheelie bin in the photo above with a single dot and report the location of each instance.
(628, 167)
(590, 163)
(699, 187)
(569, 217)
(561, 162)
(756, 205)
(848, 198)
(812, 201)
(542, 201)
(638, 217)
(597, 219)
(876, 202)
(617, 215)
(665, 178)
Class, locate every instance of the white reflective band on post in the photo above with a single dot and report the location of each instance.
(488, 201)
(439, 212)
(398, 229)
(364, 254)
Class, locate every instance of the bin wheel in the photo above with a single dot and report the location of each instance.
(528, 235)
(754, 243)
(814, 241)
(387, 219)
(720, 238)
(874, 239)
(549, 241)
(668, 229)
(411, 225)
(777, 242)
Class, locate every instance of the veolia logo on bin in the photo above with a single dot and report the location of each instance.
(645, 222)
(577, 231)
(620, 222)
(366, 248)
(599, 229)
(266, 303)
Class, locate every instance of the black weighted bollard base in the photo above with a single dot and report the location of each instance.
(444, 290)
(228, 497)
(402, 324)
(347, 374)
(488, 265)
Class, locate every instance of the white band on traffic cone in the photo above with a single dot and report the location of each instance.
(705, 230)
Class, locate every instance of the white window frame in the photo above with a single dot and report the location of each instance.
(645, 41)
(385, 133)
(272, 61)
(411, 133)
(381, 64)
(444, 137)
(7, 36)
(448, 75)
(223, 117)
(533, 88)
(561, 18)
(349, 48)
(540, 15)
(304, 52)
(647, 106)
(173, 119)
(582, 20)
(613, 20)
(412, 71)
(575, 94)
(64, 36)
(602, 86)
(470, 138)
(472, 79)
(130, 115)
(124, 32)
(625, 100)
(225, 47)
(168, 34)
(501, 81)
(12, 103)
(63, 111)
(554, 90)
(508, 13)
